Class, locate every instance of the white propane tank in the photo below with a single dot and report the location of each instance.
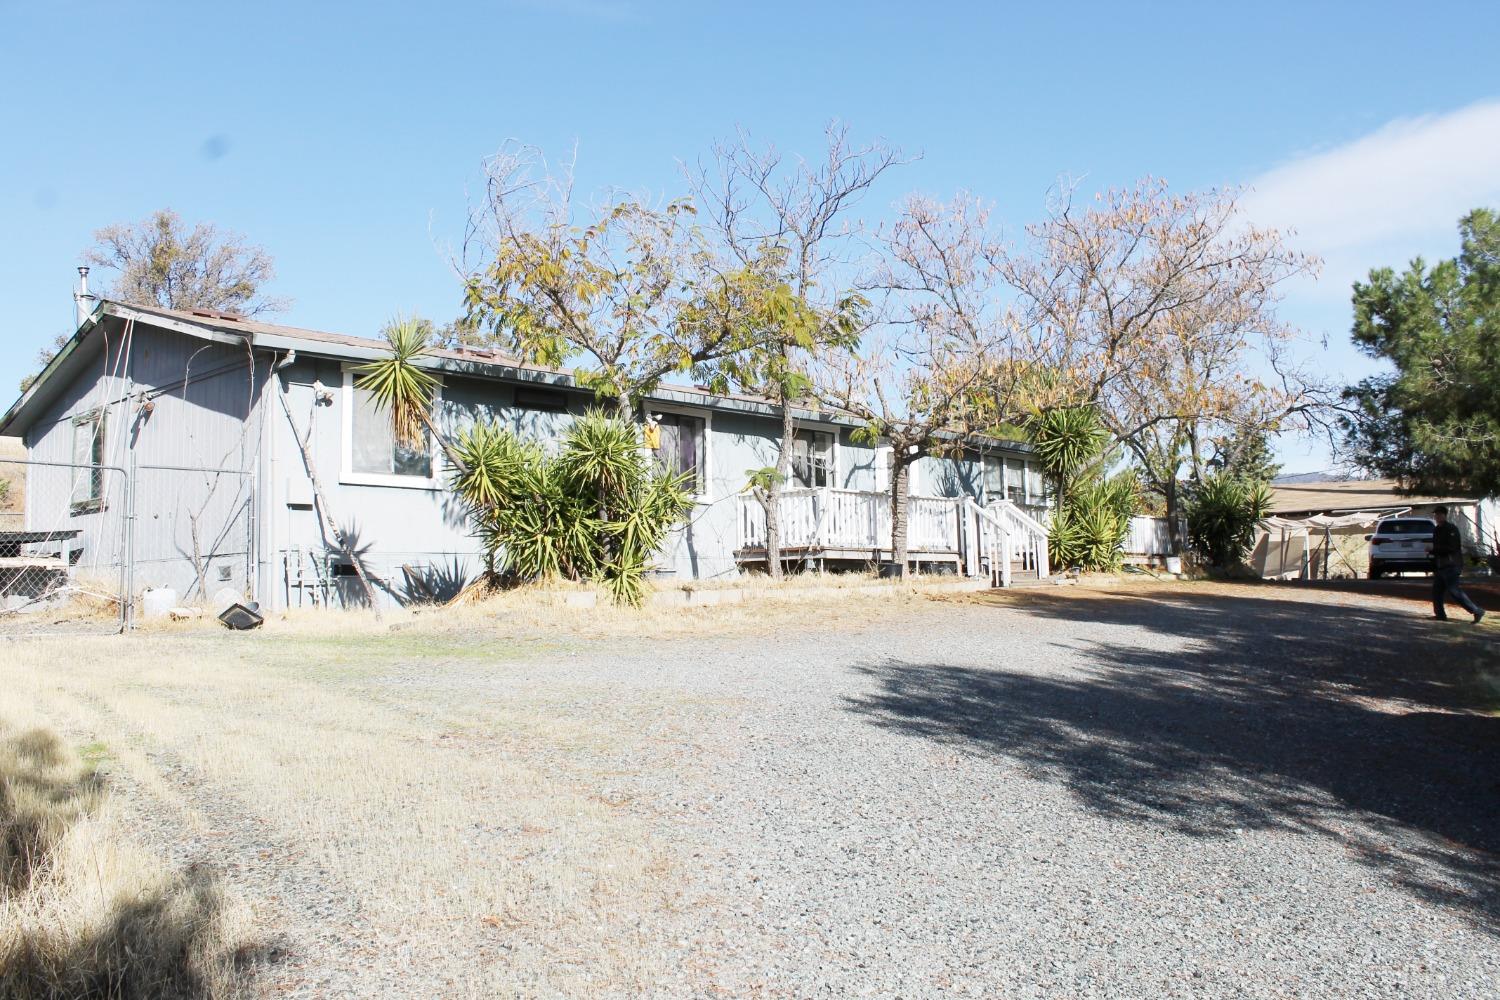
(157, 601)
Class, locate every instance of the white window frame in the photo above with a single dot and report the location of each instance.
(705, 472)
(835, 467)
(347, 474)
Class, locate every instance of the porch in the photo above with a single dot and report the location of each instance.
(820, 526)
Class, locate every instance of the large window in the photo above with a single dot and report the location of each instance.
(680, 447)
(372, 455)
(812, 459)
(88, 459)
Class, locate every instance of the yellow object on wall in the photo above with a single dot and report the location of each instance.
(653, 436)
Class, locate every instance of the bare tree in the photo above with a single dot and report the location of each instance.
(944, 358)
(790, 219)
(1160, 309)
(162, 263)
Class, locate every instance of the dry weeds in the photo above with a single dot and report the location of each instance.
(85, 911)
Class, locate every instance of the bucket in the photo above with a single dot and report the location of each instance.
(1174, 565)
(157, 601)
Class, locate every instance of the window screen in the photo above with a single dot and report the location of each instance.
(88, 457)
(681, 447)
(994, 477)
(544, 400)
(1034, 485)
(1015, 480)
(373, 449)
(812, 459)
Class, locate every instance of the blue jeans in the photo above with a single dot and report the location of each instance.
(1445, 585)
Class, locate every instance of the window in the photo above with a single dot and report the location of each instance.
(372, 456)
(1015, 480)
(994, 477)
(1035, 488)
(88, 459)
(543, 400)
(812, 459)
(681, 447)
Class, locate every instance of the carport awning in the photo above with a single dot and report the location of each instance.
(1328, 522)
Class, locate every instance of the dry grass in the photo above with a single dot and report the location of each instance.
(87, 913)
(364, 796)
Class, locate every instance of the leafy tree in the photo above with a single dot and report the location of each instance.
(1222, 512)
(628, 297)
(1434, 422)
(160, 262)
(921, 381)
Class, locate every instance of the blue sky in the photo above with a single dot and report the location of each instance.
(344, 137)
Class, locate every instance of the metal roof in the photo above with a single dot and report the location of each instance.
(1347, 496)
(474, 362)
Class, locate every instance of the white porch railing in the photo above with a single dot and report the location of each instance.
(998, 539)
(854, 520)
(1001, 538)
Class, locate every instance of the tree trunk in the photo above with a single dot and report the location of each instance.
(772, 501)
(900, 487)
(330, 524)
(1174, 515)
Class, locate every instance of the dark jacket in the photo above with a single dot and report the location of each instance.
(1447, 545)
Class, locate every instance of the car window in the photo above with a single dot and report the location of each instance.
(1404, 528)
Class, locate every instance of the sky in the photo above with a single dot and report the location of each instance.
(346, 138)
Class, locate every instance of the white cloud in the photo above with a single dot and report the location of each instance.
(1387, 196)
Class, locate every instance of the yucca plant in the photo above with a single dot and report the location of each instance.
(399, 387)
(597, 511)
(1222, 512)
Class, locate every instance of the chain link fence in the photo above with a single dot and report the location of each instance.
(193, 534)
(80, 544)
(63, 557)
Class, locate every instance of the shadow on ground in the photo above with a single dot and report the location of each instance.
(1210, 714)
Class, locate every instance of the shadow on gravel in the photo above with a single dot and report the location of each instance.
(1350, 723)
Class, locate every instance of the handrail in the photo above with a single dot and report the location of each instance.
(1027, 521)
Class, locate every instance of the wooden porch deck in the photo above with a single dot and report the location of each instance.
(853, 526)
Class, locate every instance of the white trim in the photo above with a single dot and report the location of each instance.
(349, 477)
(706, 463)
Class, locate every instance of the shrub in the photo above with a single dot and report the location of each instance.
(1090, 524)
(1093, 512)
(596, 511)
(1222, 512)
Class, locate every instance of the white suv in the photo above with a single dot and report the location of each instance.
(1401, 543)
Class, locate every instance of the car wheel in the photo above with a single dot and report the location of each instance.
(1375, 571)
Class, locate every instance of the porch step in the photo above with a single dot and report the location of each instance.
(1030, 580)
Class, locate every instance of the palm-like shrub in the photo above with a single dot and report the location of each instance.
(1093, 512)
(1222, 512)
(596, 511)
(1091, 521)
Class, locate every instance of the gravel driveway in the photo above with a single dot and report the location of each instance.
(1162, 791)
(1181, 793)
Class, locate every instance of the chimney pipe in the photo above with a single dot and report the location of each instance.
(83, 302)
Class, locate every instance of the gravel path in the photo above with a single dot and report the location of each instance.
(1174, 794)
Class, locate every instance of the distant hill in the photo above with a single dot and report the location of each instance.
(13, 503)
(1322, 476)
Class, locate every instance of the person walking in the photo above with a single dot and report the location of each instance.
(1448, 567)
